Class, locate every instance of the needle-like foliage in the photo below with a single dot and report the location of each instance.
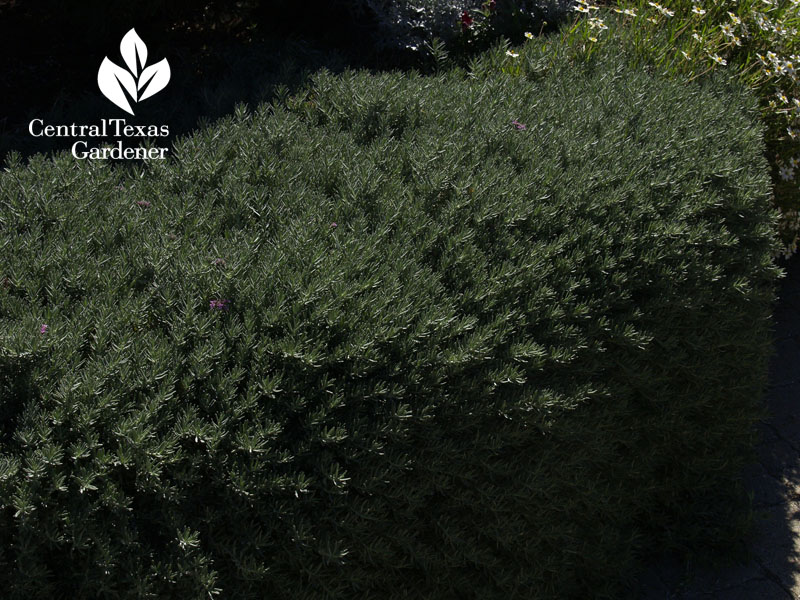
(402, 337)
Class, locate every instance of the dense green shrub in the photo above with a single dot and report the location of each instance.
(382, 342)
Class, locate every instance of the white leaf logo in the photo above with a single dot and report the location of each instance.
(140, 82)
(154, 79)
(131, 47)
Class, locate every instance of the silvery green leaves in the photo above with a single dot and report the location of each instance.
(140, 82)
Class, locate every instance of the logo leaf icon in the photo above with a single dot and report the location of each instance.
(114, 81)
(157, 76)
(131, 46)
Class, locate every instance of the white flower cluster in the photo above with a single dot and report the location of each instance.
(595, 23)
(664, 11)
(584, 7)
(766, 24)
(774, 64)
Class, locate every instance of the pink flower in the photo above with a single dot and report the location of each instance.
(334, 225)
(143, 203)
(220, 262)
(219, 304)
(43, 328)
(518, 125)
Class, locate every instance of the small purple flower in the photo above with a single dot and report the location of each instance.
(334, 225)
(143, 203)
(120, 187)
(518, 125)
(219, 304)
(43, 328)
(220, 262)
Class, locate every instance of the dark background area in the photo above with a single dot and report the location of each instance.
(220, 52)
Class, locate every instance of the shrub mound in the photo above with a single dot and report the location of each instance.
(383, 342)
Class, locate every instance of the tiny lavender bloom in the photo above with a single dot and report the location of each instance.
(220, 262)
(518, 125)
(334, 225)
(143, 203)
(219, 304)
(43, 328)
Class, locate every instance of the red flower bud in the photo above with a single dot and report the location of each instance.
(466, 21)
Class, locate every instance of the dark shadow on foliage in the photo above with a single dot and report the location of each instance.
(772, 481)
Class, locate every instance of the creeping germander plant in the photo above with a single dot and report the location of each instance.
(473, 337)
